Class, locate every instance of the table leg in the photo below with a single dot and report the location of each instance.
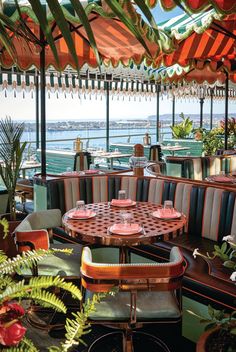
(124, 255)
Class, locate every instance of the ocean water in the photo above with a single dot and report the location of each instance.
(61, 139)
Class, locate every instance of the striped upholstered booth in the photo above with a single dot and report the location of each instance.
(198, 168)
(210, 210)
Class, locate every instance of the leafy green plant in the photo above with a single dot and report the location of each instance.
(13, 292)
(11, 155)
(224, 338)
(226, 252)
(183, 129)
(211, 140)
(218, 318)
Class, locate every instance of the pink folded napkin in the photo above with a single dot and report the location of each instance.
(125, 229)
(166, 214)
(71, 173)
(222, 178)
(121, 202)
(81, 214)
(91, 171)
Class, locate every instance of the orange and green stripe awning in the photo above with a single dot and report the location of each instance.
(223, 6)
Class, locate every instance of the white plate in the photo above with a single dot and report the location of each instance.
(126, 233)
(76, 217)
(157, 214)
(124, 206)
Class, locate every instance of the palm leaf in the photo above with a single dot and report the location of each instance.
(44, 25)
(147, 13)
(84, 20)
(120, 13)
(57, 13)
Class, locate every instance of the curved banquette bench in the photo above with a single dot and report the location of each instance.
(210, 210)
(198, 168)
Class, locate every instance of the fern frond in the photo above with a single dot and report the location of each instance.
(3, 256)
(26, 260)
(5, 281)
(57, 281)
(78, 326)
(24, 345)
(5, 225)
(48, 300)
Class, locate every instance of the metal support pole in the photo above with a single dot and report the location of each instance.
(201, 111)
(173, 111)
(211, 109)
(37, 108)
(158, 112)
(43, 106)
(226, 108)
(107, 117)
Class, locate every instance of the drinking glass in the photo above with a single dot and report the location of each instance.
(126, 218)
(80, 205)
(122, 194)
(68, 169)
(168, 206)
(222, 173)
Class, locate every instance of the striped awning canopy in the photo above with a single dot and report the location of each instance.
(224, 6)
(200, 72)
(94, 85)
(115, 43)
(204, 36)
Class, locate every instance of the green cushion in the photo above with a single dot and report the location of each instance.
(150, 305)
(60, 264)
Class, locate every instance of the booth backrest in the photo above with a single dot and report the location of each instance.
(210, 210)
(198, 168)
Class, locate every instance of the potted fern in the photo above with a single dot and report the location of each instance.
(13, 291)
(11, 156)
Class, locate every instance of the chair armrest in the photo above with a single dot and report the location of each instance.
(34, 239)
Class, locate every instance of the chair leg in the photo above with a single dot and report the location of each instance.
(128, 341)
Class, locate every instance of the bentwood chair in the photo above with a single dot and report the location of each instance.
(34, 233)
(82, 161)
(147, 293)
(155, 153)
(157, 168)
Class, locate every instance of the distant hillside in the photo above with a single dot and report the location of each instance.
(194, 117)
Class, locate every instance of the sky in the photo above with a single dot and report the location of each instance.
(68, 108)
(71, 109)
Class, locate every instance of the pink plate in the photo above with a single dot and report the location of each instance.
(123, 203)
(219, 178)
(91, 172)
(163, 215)
(81, 215)
(124, 229)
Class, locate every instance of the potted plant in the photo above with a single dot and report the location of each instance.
(14, 290)
(211, 140)
(11, 156)
(183, 129)
(220, 331)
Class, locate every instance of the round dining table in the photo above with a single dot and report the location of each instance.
(95, 230)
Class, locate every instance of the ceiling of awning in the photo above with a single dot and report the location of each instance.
(115, 43)
(224, 6)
